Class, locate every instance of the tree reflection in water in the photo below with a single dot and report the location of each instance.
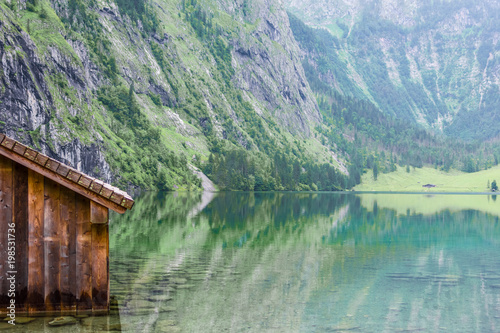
(300, 262)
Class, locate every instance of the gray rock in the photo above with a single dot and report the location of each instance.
(62, 321)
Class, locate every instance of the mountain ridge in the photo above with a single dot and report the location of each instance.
(142, 93)
(438, 64)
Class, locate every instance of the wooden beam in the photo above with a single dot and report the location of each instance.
(100, 267)
(30, 154)
(19, 148)
(6, 176)
(53, 175)
(98, 214)
(20, 218)
(83, 255)
(36, 286)
(68, 250)
(8, 142)
(52, 245)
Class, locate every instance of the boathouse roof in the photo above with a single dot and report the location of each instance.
(94, 189)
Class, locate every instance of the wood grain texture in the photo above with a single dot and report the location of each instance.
(20, 218)
(52, 245)
(127, 202)
(41, 159)
(83, 255)
(117, 197)
(51, 164)
(100, 267)
(85, 181)
(96, 186)
(73, 175)
(8, 143)
(68, 249)
(6, 176)
(98, 213)
(106, 190)
(30, 154)
(36, 302)
(63, 170)
(19, 148)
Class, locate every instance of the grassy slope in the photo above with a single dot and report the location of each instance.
(427, 204)
(453, 181)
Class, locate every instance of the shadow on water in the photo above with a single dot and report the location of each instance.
(302, 262)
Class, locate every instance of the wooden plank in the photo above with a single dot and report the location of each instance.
(127, 202)
(19, 148)
(30, 154)
(8, 143)
(68, 250)
(52, 245)
(2, 136)
(106, 191)
(83, 255)
(85, 181)
(98, 214)
(41, 159)
(100, 267)
(117, 197)
(73, 175)
(6, 176)
(63, 180)
(63, 170)
(52, 165)
(36, 294)
(20, 218)
(96, 186)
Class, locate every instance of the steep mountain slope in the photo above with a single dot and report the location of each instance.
(136, 92)
(434, 63)
(371, 139)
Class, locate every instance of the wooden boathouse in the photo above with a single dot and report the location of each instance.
(54, 242)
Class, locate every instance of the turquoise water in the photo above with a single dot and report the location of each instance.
(314, 262)
(285, 262)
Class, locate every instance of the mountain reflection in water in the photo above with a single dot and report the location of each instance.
(309, 262)
(303, 262)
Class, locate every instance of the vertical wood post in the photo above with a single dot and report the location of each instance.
(100, 257)
(6, 176)
(52, 246)
(83, 255)
(36, 260)
(20, 218)
(68, 250)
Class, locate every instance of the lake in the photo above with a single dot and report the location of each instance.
(303, 262)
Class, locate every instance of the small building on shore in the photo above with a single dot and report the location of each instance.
(54, 241)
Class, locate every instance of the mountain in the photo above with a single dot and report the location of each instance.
(142, 93)
(433, 63)
(159, 94)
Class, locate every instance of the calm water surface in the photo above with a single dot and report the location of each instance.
(284, 262)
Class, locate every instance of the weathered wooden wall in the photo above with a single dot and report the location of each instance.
(61, 242)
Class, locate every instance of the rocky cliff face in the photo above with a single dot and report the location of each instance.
(436, 63)
(268, 65)
(28, 110)
(63, 64)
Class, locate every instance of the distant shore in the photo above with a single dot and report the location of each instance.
(453, 181)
